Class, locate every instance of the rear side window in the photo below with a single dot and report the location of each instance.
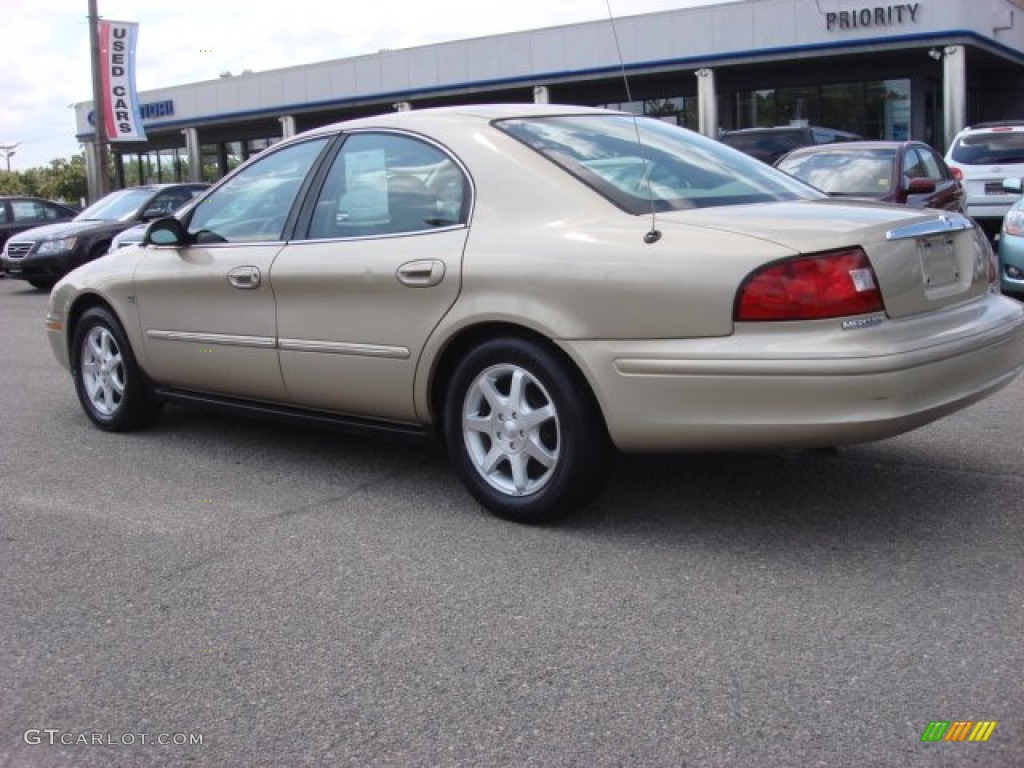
(989, 148)
(642, 164)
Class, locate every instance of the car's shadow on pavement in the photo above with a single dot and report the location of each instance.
(824, 501)
(804, 505)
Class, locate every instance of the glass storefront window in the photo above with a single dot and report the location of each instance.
(877, 109)
(679, 110)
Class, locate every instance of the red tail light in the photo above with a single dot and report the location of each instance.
(832, 284)
(957, 173)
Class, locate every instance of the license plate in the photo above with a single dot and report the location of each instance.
(994, 188)
(938, 259)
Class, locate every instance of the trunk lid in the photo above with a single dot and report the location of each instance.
(923, 260)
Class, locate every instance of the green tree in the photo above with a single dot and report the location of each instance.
(62, 179)
(10, 184)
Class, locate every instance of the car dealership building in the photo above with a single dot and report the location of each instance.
(884, 70)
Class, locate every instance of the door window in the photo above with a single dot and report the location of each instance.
(253, 206)
(387, 184)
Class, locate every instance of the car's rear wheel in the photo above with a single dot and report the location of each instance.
(524, 432)
(110, 385)
(42, 283)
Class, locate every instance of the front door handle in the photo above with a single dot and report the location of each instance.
(421, 273)
(245, 278)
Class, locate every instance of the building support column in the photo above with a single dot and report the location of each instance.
(195, 154)
(954, 91)
(541, 94)
(287, 126)
(94, 184)
(707, 103)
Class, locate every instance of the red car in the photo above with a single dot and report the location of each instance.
(907, 172)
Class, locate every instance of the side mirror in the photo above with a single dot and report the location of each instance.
(1013, 185)
(153, 213)
(167, 231)
(921, 186)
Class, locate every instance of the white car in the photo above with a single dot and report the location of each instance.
(980, 158)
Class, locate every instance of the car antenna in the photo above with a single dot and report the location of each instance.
(654, 234)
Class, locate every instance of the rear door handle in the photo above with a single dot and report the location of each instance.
(245, 278)
(421, 273)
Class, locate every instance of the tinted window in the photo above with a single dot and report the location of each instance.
(989, 148)
(934, 167)
(643, 163)
(924, 164)
(253, 205)
(768, 146)
(35, 210)
(170, 200)
(385, 184)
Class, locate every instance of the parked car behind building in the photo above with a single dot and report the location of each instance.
(1011, 243)
(45, 254)
(769, 144)
(981, 157)
(906, 172)
(18, 213)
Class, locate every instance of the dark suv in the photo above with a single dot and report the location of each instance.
(769, 144)
(45, 254)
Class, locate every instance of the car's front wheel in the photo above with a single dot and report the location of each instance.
(524, 432)
(110, 385)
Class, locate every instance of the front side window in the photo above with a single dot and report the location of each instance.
(642, 164)
(253, 205)
(933, 167)
(922, 164)
(389, 184)
(171, 200)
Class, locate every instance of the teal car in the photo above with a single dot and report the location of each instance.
(1011, 244)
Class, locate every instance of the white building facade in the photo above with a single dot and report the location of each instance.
(885, 70)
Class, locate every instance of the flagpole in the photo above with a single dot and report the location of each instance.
(102, 175)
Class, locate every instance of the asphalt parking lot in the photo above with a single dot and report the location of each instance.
(215, 592)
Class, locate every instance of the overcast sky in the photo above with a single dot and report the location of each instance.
(44, 58)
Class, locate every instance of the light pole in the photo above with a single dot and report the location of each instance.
(102, 182)
(7, 150)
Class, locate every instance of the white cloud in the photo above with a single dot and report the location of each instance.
(46, 50)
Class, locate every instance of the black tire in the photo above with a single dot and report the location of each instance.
(539, 449)
(42, 283)
(110, 385)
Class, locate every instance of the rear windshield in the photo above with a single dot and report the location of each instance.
(121, 205)
(859, 173)
(642, 164)
(989, 148)
(774, 143)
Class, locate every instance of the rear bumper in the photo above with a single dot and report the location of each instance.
(766, 388)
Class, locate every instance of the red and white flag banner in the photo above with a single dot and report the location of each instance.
(117, 63)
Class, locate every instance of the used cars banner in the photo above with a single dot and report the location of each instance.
(117, 60)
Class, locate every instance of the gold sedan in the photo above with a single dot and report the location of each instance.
(538, 286)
